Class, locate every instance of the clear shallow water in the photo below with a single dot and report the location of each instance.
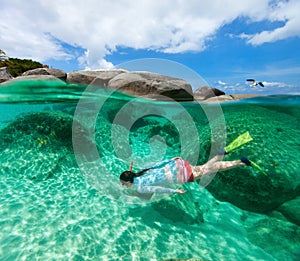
(55, 204)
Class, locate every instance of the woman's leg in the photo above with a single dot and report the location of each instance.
(213, 166)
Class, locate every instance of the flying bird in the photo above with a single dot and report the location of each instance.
(255, 83)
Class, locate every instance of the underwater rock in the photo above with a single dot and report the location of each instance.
(278, 237)
(33, 145)
(274, 148)
(43, 165)
(183, 259)
(49, 124)
(291, 210)
(105, 140)
(180, 209)
(151, 85)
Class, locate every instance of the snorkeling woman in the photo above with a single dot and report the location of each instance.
(178, 171)
(175, 171)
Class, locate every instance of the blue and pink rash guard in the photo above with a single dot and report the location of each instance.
(154, 180)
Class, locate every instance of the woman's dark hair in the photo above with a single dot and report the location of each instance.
(128, 176)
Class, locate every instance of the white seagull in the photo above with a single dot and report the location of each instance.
(255, 83)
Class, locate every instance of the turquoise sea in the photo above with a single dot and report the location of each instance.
(62, 149)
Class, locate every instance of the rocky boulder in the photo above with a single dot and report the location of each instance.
(94, 77)
(218, 99)
(43, 78)
(243, 96)
(206, 92)
(151, 85)
(60, 74)
(226, 98)
(4, 74)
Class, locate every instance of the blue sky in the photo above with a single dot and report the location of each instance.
(224, 41)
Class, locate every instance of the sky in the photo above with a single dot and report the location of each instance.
(223, 41)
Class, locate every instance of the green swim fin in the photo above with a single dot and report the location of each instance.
(254, 165)
(238, 142)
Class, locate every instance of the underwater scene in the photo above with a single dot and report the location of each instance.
(62, 151)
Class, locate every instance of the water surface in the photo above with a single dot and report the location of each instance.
(57, 204)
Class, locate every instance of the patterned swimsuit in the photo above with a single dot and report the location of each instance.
(174, 171)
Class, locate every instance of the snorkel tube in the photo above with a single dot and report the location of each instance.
(131, 165)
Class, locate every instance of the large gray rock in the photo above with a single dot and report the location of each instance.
(4, 74)
(37, 71)
(95, 77)
(243, 96)
(60, 74)
(104, 76)
(151, 85)
(218, 99)
(206, 92)
(34, 78)
(225, 98)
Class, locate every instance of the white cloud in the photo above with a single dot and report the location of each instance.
(271, 88)
(285, 11)
(277, 84)
(100, 27)
(221, 83)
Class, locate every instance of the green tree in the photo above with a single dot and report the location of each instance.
(17, 66)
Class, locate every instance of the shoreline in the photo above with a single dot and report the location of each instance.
(141, 84)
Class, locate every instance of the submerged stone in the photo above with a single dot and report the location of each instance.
(291, 210)
(278, 237)
(275, 148)
(33, 145)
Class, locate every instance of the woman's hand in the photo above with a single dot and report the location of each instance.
(180, 191)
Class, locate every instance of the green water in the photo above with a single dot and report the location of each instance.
(60, 158)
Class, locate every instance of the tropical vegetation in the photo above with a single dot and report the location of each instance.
(17, 66)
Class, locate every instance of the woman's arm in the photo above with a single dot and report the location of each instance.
(157, 189)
